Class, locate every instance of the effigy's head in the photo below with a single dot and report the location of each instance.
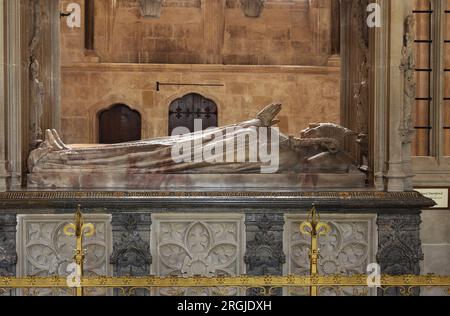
(326, 130)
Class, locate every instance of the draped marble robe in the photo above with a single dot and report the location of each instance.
(318, 150)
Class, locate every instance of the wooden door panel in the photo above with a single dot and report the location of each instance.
(119, 124)
(184, 111)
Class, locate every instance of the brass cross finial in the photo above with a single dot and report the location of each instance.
(315, 228)
(80, 230)
(313, 225)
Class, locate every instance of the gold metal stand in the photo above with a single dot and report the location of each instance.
(315, 228)
(80, 230)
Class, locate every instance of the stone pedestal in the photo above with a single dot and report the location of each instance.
(3, 176)
(233, 233)
(131, 251)
(8, 255)
(400, 247)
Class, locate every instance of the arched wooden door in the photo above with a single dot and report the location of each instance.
(184, 111)
(119, 124)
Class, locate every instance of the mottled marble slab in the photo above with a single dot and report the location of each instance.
(92, 180)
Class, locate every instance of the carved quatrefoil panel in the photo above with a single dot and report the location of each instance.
(203, 245)
(44, 249)
(346, 250)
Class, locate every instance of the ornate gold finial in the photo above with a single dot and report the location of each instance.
(315, 228)
(80, 230)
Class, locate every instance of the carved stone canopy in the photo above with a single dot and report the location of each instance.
(131, 253)
(252, 8)
(151, 8)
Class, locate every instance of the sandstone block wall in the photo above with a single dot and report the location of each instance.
(289, 32)
(308, 94)
(280, 56)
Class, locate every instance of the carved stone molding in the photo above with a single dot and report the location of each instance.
(252, 8)
(8, 255)
(264, 254)
(195, 244)
(151, 8)
(399, 245)
(365, 197)
(131, 252)
(3, 171)
(347, 250)
(408, 68)
(359, 13)
(406, 126)
(14, 90)
(36, 85)
(44, 249)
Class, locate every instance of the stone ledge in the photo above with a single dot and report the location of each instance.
(242, 201)
(119, 67)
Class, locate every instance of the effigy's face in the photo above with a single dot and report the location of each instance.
(313, 131)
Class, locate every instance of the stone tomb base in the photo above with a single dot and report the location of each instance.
(212, 233)
(114, 180)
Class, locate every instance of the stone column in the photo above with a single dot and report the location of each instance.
(379, 100)
(356, 65)
(394, 91)
(335, 27)
(51, 67)
(264, 254)
(89, 14)
(3, 173)
(131, 238)
(13, 93)
(31, 73)
(408, 68)
(397, 178)
(43, 58)
(8, 255)
(213, 26)
(34, 23)
(399, 246)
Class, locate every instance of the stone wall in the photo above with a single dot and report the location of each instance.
(308, 94)
(193, 32)
(288, 32)
(435, 235)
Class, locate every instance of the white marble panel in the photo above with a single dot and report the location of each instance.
(347, 250)
(44, 250)
(197, 244)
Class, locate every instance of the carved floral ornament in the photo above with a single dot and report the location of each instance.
(131, 254)
(46, 250)
(197, 247)
(252, 8)
(346, 250)
(151, 8)
(408, 67)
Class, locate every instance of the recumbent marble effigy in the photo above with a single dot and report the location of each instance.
(316, 159)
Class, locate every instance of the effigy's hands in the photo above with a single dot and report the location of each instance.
(267, 116)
